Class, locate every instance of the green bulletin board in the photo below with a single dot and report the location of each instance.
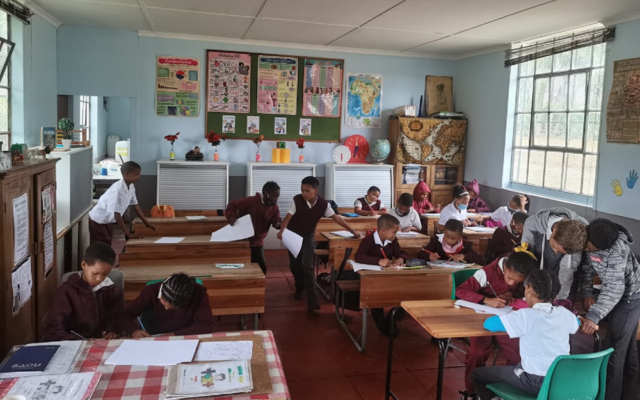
(323, 129)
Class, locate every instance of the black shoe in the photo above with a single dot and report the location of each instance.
(298, 294)
(466, 395)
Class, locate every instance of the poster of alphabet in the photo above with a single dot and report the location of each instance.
(177, 86)
(623, 109)
(229, 86)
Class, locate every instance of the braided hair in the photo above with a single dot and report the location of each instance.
(522, 263)
(178, 289)
(545, 285)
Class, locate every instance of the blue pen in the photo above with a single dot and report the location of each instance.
(141, 325)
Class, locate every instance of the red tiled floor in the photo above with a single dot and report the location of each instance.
(453, 381)
(404, 385)
(325, 389)
(278, 285)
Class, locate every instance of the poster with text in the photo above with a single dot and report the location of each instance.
(22, 283)
(364, 101)
(305, 126)
(177, 86)
(228, 124)
(253, 125)
(280, 126)
(48, 248)
(20, 228)
(229, 82)
(277, 85)
(322, 88)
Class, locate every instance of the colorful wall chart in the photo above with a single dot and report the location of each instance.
(322, 88)
(277, 85)
(364, 101)
(177, 86)
(229, 84)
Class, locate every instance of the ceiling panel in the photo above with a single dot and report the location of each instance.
(249, 8)
(95, 14)
(341, 12)
(126, 2)
(458, 45)
(295, 32)
(192, 23)
(385, 39)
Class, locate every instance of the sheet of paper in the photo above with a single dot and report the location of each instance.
(482, 309)
(364, 267)
(47, 207)
(242, 229)
(195, 217)
(78, 386)
(20, 228)
(292, 241)
(448, 264)
(48, 247)
(229, 266)
(480, 229)
(169, 240)
(144, 352)
(223, 351)
(21, 281)
(431, 215)
(344, 234)
(61, 363)
(406, 234)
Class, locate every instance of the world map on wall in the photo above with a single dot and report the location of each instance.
(431, 141)
(364, 98)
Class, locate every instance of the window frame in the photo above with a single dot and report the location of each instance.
(8, 86)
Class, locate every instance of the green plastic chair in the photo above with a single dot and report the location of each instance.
(575, 377)
(459, 277)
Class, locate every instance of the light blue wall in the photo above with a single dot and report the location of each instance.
(119, 117)
(98, 126)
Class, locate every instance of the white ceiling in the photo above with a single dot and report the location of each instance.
(437, 28)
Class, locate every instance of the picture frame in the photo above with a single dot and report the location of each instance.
(438, 93)
(48, 137)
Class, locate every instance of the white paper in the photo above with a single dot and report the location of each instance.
(61, 363)
(292, 241)
(20, 228)
(223, 351)
(143, 352)
(21, 281)
(47, 207)
(483, 309)
(229, 266)
(431, 215)
(241, 229)
(407, 234)
(48, 247)
(364, 267)
(480, 229)
(448, 264)
(344, 234)
(57, 387)
(195, 217)
(169, 240)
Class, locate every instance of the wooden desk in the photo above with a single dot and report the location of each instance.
(179, 226)
(480, 240)
(190, 243)
(360, 224)
(430, 222)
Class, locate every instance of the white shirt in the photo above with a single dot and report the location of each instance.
(378, 241)
(410, 220)
(328, 213)
(451, 212)
(358, 203)
(544, 335)
(115, 200)
(502, 215)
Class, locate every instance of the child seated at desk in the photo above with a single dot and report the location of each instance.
(451, 246)
(456, 210)
(370, 204)
(496, 285)
(507, 237)
(176, 306)
(421, 203)
(502, 216)
(476, 204)
(408, 217)
(87, 304)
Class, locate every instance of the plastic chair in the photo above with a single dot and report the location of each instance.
(459, 277)
(574, 377)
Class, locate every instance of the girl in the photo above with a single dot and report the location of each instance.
(543, 330)
(476, 204)
(421, 202)
(370, 204)
(502, 216)
(496, 285)
(176, 306)
(451, 246)
(457, 209)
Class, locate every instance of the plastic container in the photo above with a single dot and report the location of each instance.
(123, 151)
(111, 145)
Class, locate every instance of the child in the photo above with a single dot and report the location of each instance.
(113, 204)
(610, 256)
(507, 237)
(421, 202)
(88, 303)
(543, 330)
(451, 246)
(381, 248)
(456, 210)
(370, 204)
(502, 216)
(177, 306)
(264, 212)
(476, 204)
(406, 214)
(304, 213)
(502, 278)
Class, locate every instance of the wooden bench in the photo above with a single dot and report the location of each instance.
(179, 226)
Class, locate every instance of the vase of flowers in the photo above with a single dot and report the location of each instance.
(66, 126)
(258, 142)
(215, 139)
(300, 144)
(172, 139)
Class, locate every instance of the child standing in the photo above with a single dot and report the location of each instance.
(88, 303)
(610, 256)
(476, 204)
(502, 278)
(543, 330)
(421, 203)
(457, 209)
(451, 246)
(370, 204)
(304, 213)
(507, 237)
(406, 214)
(264, 212)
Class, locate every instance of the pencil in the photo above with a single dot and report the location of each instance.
(494, 292)
(79, 335)
(141, 325)
(385, 256)
(430, 252)
(514, 242)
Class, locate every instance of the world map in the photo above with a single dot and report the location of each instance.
(430, 140)
(364, 98)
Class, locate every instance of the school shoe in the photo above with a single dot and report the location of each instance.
(298, 294)
(467, 396)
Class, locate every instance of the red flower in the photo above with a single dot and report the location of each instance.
(172, 138)
(300, 143)
(215, 138)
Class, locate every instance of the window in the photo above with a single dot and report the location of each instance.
(557, 120)
(85, 117)
(5, 86)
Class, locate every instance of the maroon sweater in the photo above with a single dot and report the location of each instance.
(194, 318)
(367, 207)
(77, 308)
(371, 253)
(470, 255)
(263, 216)
(476, 288)
(502, 242)
(305, 220)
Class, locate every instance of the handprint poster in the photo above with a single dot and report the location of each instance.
(631, 180)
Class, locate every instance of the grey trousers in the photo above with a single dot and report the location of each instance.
(481, 377)
(302, 269)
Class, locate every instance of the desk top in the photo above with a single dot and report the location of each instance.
(333, 238)
(472, 233)
(180, 220)
(188, 240)
(204, 271)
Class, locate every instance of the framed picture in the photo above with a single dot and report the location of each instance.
(48, 137)
(438, 93)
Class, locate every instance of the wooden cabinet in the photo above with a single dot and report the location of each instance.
(27, 180)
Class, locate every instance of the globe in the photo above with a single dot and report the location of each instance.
(380, 150)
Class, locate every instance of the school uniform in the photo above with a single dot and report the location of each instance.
(421, 206)
(502, 216)
(477, 203)
(451, 212)
(116, 199)
(86, 310)
(435, 246)
(503, 241)
(363, 204)
(263, 217)
(411, 220)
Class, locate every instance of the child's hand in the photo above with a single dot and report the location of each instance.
(384, 263)
(433, 256)
(457, 257)
(523, 201)
(398, 262)
(587, 302)
(109, 335)
(150, 226)
(495, 302)
(138, 334)
(466, 222)
(134, 235)
(407, 229)
(438, 207)
(277, 225)
(232, 219)
(280, 235)
(508, 297)
(471, 210)
(588, 326)
(356, 234)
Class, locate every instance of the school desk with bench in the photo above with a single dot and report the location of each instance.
(179, 226)
(191, 247)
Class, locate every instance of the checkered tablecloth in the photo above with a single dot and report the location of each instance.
(147, 383)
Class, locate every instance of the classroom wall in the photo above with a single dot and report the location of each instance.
(119, 117)
(98, 127)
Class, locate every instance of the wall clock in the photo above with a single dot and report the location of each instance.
(359, 147)
(341, 154)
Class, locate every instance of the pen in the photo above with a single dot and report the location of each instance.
(141, 326)
(382, 250)
(79, 335)
(514, 242)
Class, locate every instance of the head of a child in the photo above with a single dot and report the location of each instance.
(568, 237)
(309, 188)
(515, 204)
(177, 290)
(517, 267)
(130, 172)
(405, 202)
(97, 263)
(388, 227)
(540, 287)
(601, 234)
(373, 194)
(517, 222)
(452, 232)
(461, 197)
(270, 193)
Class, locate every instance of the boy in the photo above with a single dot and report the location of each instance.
(506, 238)
(450, 245)
(405, 213)
(304, 213)
(88, 303)
(264, 211)
(370, 204)
(609, 255)
(113, 203)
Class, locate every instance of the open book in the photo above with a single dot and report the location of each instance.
(209, 379)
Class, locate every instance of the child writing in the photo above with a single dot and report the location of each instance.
(543, 330)
(450, 246)
(176, 306)
(87, 304)
(264, 212)
(496, 285)
(370, 204)
(113, 204)
(507, 237)
(406, 214)
(476, 204)
(421, 203)
(457, 209)
(304, 213)
(502, 216)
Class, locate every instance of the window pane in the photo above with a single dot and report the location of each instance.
(589, 181)
(527, 69)
(572, 179)
(553, 170)
(577, 92)
(4, 25)
(4, 138)
(543, 65)
(559, 93)
(593, 132)
(4, 52)
(599, 52)
(541, 95)
(4, 110)
(523, 128)
(536, 168)
(576, 130)
(581, 58)
(562, 61)
(558, 129)
(595, 89)
(525, 94)
(519, 168)
(540, 130)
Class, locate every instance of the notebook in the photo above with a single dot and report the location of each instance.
(209, 379)
(32, 358)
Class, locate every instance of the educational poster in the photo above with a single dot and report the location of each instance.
(229, 86)
(228, 124)
(78, 386)
(177, 86)
(20, 228)
(48, 203)
(277, 85)
(253, 125)
(48, 248)
(280, 126)
(21, 282)
(322, 88)
(623, 109)
(305, 126)
(364, 101)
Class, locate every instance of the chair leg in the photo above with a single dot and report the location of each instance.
(361, 340)
(243, 323)
(320, 288)
(255, 321)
